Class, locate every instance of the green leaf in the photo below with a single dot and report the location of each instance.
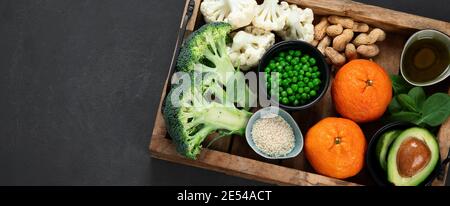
(418, 95)
(436, 109)
(407, 103)
(400, 85)
(412, 117)
(394, 106)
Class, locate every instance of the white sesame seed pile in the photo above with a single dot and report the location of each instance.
(273, 136)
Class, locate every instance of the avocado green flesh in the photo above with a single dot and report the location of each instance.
(383, 145)
(392, 167)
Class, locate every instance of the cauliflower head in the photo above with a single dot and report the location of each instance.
(249, 46)
(298, 25)
(238, 13)
(270, 15)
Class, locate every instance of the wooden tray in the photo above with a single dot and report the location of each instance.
(234, 157)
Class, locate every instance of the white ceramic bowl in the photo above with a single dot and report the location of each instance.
(426, 34)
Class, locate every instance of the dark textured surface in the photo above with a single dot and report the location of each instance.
(80, 82)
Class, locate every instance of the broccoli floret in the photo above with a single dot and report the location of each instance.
(206, 51)
(193, 118)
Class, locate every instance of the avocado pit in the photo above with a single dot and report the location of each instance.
(413, 155)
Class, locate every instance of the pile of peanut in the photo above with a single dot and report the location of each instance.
(333, 36)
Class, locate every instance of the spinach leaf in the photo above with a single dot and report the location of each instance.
(394, 106)
(407, 102)
(406, 116)
(436, 109)
(418, 95)
(400, 85)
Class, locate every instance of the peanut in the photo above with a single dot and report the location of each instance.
(366, 39)
(319, 29)
(334, 30)
(324, 43)
(368, 51)
(342, 40)
(336, 58)
(360, 27)
(344, 21)
(350, 52)
(314, 43)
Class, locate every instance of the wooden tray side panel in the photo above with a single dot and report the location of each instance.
(387, 19)
(243, 167)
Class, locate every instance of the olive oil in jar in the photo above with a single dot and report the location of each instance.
(425, 60)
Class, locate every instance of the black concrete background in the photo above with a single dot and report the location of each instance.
(80, 82)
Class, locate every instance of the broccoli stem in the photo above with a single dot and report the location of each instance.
(228, 118)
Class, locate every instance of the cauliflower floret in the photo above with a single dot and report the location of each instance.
(298, 25)
(238, 13)
(270, 15)
(249, 46)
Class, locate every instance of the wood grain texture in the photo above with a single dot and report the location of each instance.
(240, 166)
(387, 19)
(233, 156)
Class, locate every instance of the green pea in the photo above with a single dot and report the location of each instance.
(284, 94)
(308, 74)
(304, 60)
(297, 53)
(301, 84)
(304, 96)
(288, 68)
(306, 79)
(267, 69)
(294, 87)
(289, 91)
(295, 73)
(314, 75)
(284, 100)
(272, 61)
(285, 83)
(289, 58)
(280, 68)
(291, 99)
(305, 68)
(307, 56)
(300, 90)
(308, 96)
(318, 73)
(306, 89)
(296, 102)
(301, 72)
(315, 68)
(297, 67)
(313, 93)
(312, 61)
(282, 54)
(290, 73)
(316, 81)
(310, 84)
(291, 52)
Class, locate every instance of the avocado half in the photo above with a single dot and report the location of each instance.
(383, 145)
(412, 157)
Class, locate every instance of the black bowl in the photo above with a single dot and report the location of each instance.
(378, 174)
(305, 48)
